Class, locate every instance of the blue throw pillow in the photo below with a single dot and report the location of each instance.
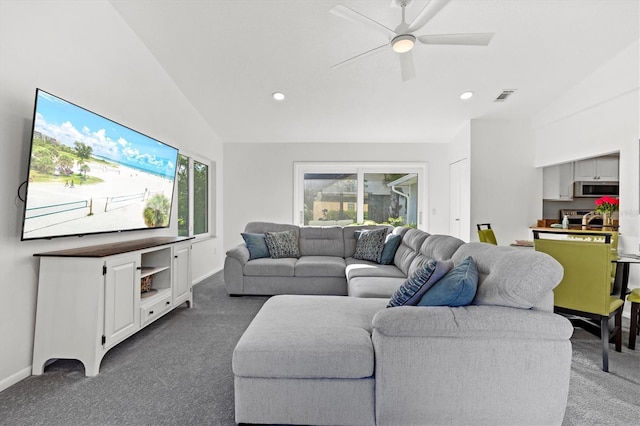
(457, 288)
(411, 291)
(256, 244)
(390, 247)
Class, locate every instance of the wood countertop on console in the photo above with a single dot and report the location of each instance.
(105, 250)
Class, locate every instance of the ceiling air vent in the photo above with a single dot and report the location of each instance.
(504, 95)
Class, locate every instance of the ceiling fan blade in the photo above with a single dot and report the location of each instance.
(406, 66)
(351, 15)
(425, 15)
(360, 56)
(479, 39)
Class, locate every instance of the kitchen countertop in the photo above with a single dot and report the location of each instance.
(572, 228)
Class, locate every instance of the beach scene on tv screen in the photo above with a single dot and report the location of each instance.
(88, 174)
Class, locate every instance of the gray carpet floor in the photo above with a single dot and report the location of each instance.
(177, 371)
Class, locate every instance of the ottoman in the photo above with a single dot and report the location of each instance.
(307, 360)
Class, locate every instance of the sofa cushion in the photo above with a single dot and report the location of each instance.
(410, 292)
(456, 288)
(510, 276)
(441, 247)
(363, 268)
(282, 244)
(262, 227)
(270, 267)
(321, 241)
(256, 245)
(369, 244)
(412, 240)
(309, 337)
(320, 266)
(391, 244)
(382, 287)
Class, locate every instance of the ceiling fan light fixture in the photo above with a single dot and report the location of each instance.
(403, 43)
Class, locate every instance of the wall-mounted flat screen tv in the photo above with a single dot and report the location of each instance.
(90, 175)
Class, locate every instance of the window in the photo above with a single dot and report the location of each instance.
(194, 205)
(341, 194)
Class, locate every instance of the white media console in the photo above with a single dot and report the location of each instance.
(89, 298)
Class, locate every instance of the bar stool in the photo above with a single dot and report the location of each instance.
(634, 328)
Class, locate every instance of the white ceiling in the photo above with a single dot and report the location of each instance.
(228, 56)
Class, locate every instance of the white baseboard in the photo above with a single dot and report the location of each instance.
(204, 277)
(15, 378)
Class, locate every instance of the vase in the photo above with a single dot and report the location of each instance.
(607, 221)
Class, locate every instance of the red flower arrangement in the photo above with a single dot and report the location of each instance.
(607, 204)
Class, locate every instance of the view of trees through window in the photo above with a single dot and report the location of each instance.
(333, 198)
(183, 195)
(200, 198)
(193, 196)
(329, 196)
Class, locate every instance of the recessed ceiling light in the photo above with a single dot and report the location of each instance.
(466, 95)
(278, 96)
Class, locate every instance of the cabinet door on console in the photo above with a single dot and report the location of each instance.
(182, 274)
(122, 296)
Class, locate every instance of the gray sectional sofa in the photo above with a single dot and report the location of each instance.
(326, 265)
(313, 356)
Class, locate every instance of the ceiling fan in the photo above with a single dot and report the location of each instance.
(402, 39)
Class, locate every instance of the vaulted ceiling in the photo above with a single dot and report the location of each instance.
(229, 56)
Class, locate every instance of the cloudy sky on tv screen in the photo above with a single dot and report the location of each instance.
(88, 174)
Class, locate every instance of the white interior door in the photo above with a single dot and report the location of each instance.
(459, 200)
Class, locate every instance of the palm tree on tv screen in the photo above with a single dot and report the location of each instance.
(156, 213)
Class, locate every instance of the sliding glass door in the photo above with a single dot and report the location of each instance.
(328, 194)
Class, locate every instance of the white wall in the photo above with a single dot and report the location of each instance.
(259, 185)
(506, 189)
(600, 115)
(83, 52)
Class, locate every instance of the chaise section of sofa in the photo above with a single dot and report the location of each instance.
(307, 360)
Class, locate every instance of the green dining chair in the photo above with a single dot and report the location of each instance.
(634, 324)
(485, 234)
(585, 290)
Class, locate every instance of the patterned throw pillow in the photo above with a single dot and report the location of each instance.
(370, 245)
(282, 244)
(457, 288)
(412, 290)
(256, 245)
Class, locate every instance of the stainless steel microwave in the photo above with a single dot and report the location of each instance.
(595, 188)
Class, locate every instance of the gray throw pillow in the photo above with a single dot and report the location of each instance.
(282, 244)
(370, 245)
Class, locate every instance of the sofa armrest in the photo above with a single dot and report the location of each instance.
(472, 321)
(234, 263)
(240, 253)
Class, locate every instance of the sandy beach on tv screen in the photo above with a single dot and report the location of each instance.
(117, 203)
